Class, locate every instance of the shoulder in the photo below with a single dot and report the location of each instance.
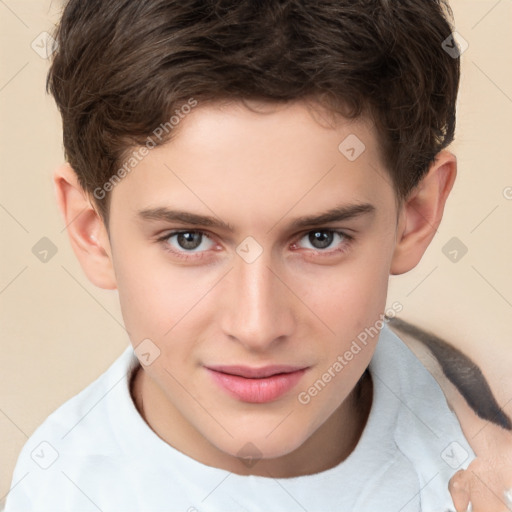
(458, 375)
(77, 438)
(426, 430)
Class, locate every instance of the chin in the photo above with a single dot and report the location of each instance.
(264, 445)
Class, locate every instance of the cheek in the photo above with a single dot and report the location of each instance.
(153, 296)
(353, 311)
(350, 297)
(165, 303)
(351, 301)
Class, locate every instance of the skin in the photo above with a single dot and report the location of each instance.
(293, 305)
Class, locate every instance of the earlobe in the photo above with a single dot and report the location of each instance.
(422, 212)
(86, 230)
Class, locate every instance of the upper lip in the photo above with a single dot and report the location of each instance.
(256, 373)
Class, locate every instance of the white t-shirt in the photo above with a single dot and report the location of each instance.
(96, 453)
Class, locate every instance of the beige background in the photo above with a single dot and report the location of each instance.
(59, 332)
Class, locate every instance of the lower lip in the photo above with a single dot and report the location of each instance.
(257, 391)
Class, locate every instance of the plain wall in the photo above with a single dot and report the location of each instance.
(59, 332)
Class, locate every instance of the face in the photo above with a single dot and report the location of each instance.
(243, 298)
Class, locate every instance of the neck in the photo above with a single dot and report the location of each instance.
(327, 447)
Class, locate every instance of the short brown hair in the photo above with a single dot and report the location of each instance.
(122, 67)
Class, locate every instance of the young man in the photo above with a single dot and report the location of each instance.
(247, 176)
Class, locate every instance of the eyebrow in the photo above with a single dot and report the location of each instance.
(339, 213)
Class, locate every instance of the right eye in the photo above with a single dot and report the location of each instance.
(186, 242)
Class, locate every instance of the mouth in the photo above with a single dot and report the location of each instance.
(256, 385)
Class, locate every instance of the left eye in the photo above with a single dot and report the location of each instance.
(321, 239)
(189, 241)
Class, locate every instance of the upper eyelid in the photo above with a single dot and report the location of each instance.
(173, 232)
(342, 232)
(303, 231)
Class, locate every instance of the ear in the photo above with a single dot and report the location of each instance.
(421, 213)
(86, 229)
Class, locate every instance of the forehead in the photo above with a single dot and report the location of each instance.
(231, 126)
(261, 161)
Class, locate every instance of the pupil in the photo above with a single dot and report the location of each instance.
(189, 240)
(320, 239)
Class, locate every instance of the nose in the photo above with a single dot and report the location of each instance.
(259, 308)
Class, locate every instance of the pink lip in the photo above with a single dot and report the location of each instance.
(256, 385)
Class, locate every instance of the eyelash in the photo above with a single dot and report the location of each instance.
(186, 255)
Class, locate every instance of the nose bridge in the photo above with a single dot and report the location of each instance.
(259, 311)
